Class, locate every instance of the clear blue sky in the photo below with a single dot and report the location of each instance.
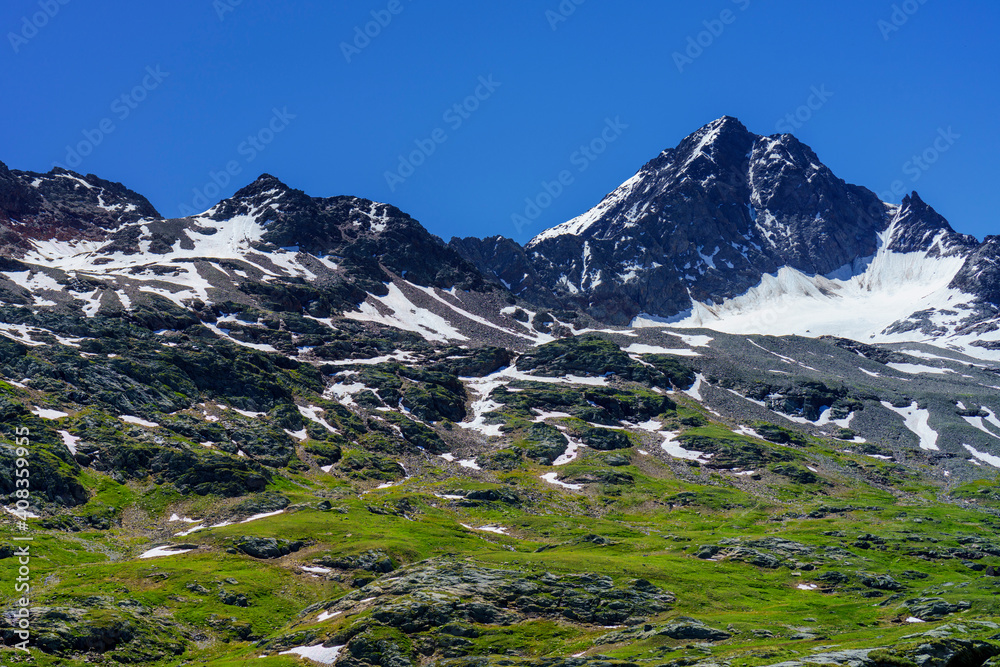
(226, 71)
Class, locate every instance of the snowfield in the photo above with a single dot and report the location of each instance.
(859, 301)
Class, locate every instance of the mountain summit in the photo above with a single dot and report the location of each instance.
(724, 213)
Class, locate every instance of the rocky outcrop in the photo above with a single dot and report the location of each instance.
(267, 547)
(432, 593)
(682, 628)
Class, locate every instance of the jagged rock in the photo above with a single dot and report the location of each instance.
(586, 355)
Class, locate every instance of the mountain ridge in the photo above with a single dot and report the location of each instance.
(688, 239)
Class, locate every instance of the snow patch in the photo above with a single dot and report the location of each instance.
(166, 550)
(918, 421)
(673, 448)
(553, 478)
(138, 421)
(989, 459)
(46, 413)
(318, 653)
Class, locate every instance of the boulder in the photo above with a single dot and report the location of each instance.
(882, 582)
(933, 609)
(689, 628)
(267, 547)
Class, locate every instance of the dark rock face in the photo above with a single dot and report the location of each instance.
(503, 259)
(981, 273)
(919, 227)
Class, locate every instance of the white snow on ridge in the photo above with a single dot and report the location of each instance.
(499, 530)
(312, 413)
(694, 340)
(483, 405)
(918, 421)
(232, 240)
(581, 223)
(70, 441)
(571, 452)
(138, 421)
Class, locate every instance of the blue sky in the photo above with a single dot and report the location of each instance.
(165, 97)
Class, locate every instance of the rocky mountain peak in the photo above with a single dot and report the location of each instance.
(260, 200)
(720, 141)
(64, 205)
(706, 221)
(917, 227)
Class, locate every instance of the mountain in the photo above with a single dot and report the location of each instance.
(62, 205)
(730, 225)
(296, 428)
